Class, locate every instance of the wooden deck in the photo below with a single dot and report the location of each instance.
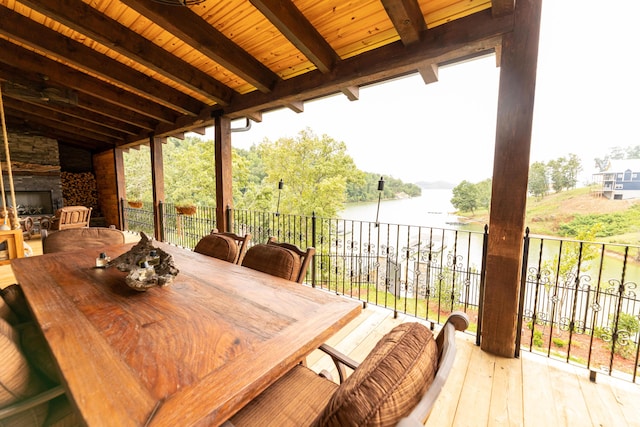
(486, 390)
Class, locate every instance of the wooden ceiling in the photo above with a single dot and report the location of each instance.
(104, 73)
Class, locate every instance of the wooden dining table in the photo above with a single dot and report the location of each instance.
(191, 353)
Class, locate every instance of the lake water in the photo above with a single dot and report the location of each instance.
(432, 209)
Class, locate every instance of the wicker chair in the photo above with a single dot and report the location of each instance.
(225, 246)
(279, 259)
(397, 384)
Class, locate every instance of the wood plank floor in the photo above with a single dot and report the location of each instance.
(486, 390)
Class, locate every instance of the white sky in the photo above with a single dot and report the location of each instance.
(587, 96)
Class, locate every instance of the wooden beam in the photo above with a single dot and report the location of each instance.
(63, 75)
(407, 19)
(351, 92)
(86, 20)
(295, 106)
(35, 109)
(36, 36)
(502, 7)
(510, 177)
(428, 72)
(298, 30)
(118, 161)
(224, 173)
(193, 30)
(157, 183)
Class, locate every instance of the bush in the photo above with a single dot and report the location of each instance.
(537, 339)
(559, 342)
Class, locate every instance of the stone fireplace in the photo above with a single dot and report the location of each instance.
(36, 174)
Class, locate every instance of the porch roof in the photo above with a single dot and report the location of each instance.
(109, 73)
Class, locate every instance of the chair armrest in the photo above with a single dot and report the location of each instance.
(340, 360)
(26, 404)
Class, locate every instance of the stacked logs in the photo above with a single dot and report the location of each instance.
(79, 189)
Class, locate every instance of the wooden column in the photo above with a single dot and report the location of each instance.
(224, 188)
(510, 176)
(157, 184)
(118, 161)
(109, 170)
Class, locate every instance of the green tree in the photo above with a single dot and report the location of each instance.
(538, 181)
(465, 197)
(315, 171)
(484, 193)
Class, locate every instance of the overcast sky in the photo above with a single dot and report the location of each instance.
(587, 96)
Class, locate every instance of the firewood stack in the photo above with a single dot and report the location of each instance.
(79, 189)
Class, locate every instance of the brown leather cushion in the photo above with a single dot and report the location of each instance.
(81, 238)
(17, 380)
(274, 260)
(293, 400)
(14, 297)
(37, 351)
(218, 246)
(389, 382)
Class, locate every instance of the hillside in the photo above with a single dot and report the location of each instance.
(545, 215)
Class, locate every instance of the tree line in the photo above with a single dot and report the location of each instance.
(316, 172)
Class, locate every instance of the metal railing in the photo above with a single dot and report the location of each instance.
(578, 300)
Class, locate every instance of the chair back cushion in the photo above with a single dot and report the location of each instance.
(218, 246)
(81, 238)
(389, 383)
(17, 380)
(274, 260)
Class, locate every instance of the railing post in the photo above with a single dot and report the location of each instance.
(523, 290)
(313, 243)
(228, 212)
(161, 233)
(483, 273)
(123, 221)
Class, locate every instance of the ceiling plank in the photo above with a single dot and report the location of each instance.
(84, 19)
(193, 30)
(61, 74)
(407, 19)
(36, 36)
(298, 30)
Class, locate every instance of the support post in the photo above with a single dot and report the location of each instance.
(510, 178)
(157, 184)
(224, 188)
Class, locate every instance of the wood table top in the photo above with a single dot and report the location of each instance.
(191, 353)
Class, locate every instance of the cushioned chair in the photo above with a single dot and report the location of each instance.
(279, 259)
(396, 384)
(30, 390)
(71, 217)
(80, 238)
(225, 246)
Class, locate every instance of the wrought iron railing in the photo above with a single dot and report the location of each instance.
(578, 299)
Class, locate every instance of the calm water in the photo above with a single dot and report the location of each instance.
(432, 209)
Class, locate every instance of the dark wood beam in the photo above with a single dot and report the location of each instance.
(73, 139)
(63, 75)
(288, 19)
(86, 20)
(509, 183)
(157, 183)
(502, 7)
(407, 19)
(464, 38)
(352, 92)
(36, 36)
(428, 72)
(33, 109)
(224, 174)
(192, 29)
(55, 125)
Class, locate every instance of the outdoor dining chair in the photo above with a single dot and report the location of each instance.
(229, 247)
(80, 238)
(397, 384)
(284, 260)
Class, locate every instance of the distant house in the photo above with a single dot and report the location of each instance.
(621, 180)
